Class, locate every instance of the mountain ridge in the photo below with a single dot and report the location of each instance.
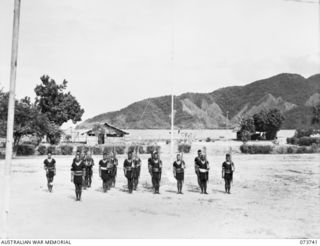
(292, 94)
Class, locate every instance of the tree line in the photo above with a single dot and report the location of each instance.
(269, 122)
(42, 117)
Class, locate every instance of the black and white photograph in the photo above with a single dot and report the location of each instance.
(159, 119)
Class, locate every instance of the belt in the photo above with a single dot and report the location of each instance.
(155, 169)
(78, 173)
(103, 168)
(202, 170)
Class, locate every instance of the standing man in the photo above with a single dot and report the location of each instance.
(155, 169)
(227, 172)
(203, 166)
(114, 164)
(78, 172)
(196, 166)
(50, 168)
(89, 165)
(136, 170)
(105, 172)
(128, 166)
(178, 172)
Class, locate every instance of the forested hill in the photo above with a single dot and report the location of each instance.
(293, 94)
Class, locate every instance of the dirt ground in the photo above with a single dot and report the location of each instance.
(273, 196)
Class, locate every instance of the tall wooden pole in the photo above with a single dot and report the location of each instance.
(10, 120)
(172, 86)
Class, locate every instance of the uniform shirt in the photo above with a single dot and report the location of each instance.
(49, 165)
(136, 162)
(203, 165)
(114, 162)
(154, 166)
(228, 168)
(78, 168)
(89, 162)
(179, 167)
(128, 164)
(196, 163)
(103, 165)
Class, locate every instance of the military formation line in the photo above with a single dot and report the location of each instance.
(81, 171)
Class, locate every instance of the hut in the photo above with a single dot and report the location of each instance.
(101, 132)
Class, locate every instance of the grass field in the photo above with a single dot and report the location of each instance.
(273, 196)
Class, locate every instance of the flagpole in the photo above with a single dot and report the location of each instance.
(172, 86)
(10, 120)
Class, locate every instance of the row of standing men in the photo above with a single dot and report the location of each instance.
(81, 171)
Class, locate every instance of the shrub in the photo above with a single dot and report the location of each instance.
(52, 149)
(315, 148)
(132, 148)
(42, 149)
(281, 150)
(208, 139)
(304, 141)
(255, 149)
(293, 140)
(2, 144)
(25, 149)
(308, 141)
(152, 148)
(66, 149)
(27, 143)
(245, 136)
(290, 150)
(119, 149)
(184, 148)
(2, 156)
(244, 148)
(68, 138)
(302, 150)
(303, 133)
(96, 150)
(83, 149)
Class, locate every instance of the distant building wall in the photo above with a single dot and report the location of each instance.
(92, 140)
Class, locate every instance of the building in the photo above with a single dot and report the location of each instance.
(100, 134)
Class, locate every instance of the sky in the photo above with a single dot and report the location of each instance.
(116, 52)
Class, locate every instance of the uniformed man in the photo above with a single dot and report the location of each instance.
(155, 169)
(178, 172)
(50, 168)
(227, 172)
(78, 172)
(78, 152)
(114, 163)
(89, 165)
(128, 166)
(105, 172)
(136, 170)
(203, 167)
(196, 165)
